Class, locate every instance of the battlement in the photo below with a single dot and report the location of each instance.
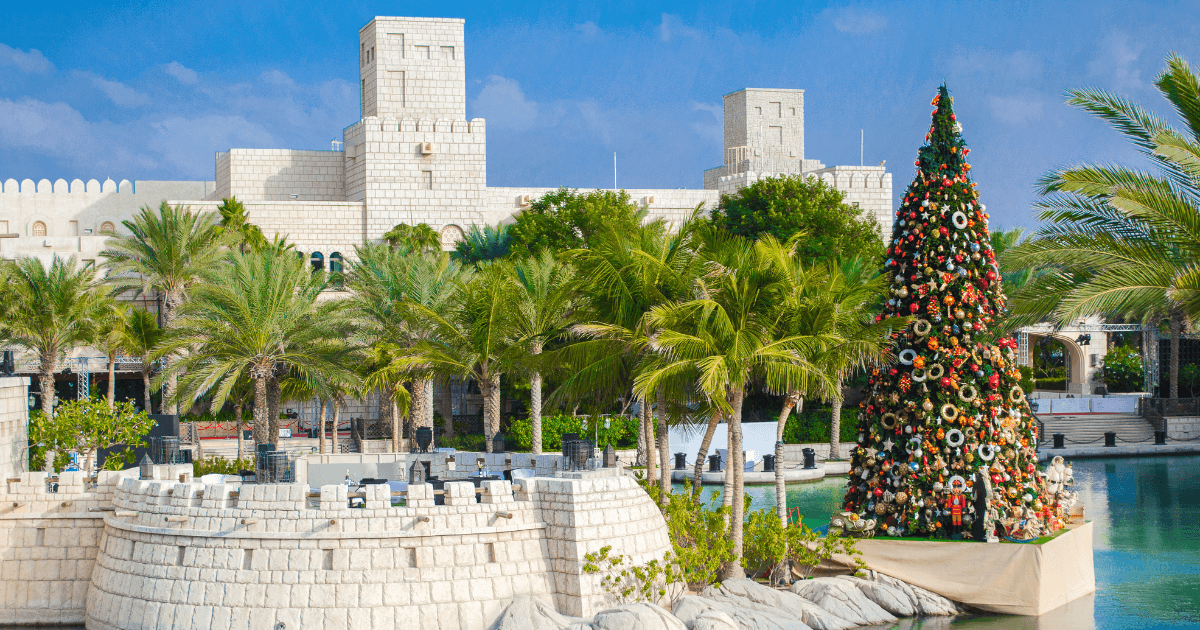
(430, 125)
(75, 187)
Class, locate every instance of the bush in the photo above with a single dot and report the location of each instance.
(813, 426)
(1026, 382)
(1052, 383)
(220, 466)
(1122, 370)
(622, 431)
(1189, 377)
(768, 543)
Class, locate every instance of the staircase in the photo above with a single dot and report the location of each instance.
(1089, 430)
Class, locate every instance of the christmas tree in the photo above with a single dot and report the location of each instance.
(946, 445)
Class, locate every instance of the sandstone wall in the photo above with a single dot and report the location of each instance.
(48, 544)
(14, 425)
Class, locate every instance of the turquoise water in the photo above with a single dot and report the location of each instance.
(1146, 519)
(1146, 527)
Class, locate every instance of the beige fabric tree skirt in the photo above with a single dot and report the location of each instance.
(1009, 578)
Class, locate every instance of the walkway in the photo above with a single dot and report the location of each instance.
(1089, 429)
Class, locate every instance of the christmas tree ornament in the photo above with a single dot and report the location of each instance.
(950, 409)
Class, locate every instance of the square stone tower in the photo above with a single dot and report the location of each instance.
(412, 68)
(764, 126)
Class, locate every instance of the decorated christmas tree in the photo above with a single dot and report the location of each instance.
(946, 445)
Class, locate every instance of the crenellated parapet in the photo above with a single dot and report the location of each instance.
(226, 555)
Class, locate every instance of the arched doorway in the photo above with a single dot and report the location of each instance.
(1058, 363)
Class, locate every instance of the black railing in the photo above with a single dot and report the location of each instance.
(1148, 407)
(1041, 428)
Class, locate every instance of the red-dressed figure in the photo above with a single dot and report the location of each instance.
(955, 504)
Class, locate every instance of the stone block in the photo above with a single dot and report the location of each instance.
(460, 493)
(497, 491)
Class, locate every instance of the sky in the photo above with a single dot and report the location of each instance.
(151, 90)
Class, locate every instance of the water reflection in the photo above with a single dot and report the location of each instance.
(1146, 540)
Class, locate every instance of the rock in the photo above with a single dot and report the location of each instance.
(843, 599)
(888, 598)
(703, 613)
(639, 616)
(926, 602)
(752, 596)
(530, 613)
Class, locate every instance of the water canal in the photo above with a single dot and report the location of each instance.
(1146, 515)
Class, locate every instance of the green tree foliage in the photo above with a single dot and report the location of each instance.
(415, 238)
(86, 426)
(788, 205)
(1123, 370)
(621, 433)
(1189, 377)
(235, 226)
(481, 245)
(1119, 240)
(568, 219)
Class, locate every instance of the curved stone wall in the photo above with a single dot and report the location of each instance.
(211, 557)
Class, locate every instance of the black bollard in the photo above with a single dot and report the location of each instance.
(1160, 438)
(1110, 438)
(680, 461)
(714, 463)
(810, 458)
(1058, 440)
(768, 463)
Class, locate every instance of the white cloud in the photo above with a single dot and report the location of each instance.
(503, 104)
(189, 143)
(117, 92)
(32, 62)
(714, 131)
(183, 74)
(858, 21)
(54, 128)
(1116, 61)
(588, 30)
(1015, 110)
(278, 78)
(672, 26)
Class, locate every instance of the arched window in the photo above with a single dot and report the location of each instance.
(335, 263)
(300, 254)
(317, 260)
(39, 228)
(108, 228)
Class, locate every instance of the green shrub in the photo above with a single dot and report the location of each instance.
(1189, 378)
(1026, 382)
(813, 425)
(220, 466)
(1122, 370)
(1052, 383)
(622, 431)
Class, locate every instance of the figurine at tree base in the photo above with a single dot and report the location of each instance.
(951, 406)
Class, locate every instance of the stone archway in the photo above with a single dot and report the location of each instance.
(451, 235)
(1073, 360)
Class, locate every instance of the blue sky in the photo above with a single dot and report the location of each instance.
(151, 90)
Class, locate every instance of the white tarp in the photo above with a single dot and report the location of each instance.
(1122, 404)
(757, 438)
(1070, 405)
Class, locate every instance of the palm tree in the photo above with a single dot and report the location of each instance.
(141, 336)
(259, 313)
(481, 245)
(236, 228)
(414, 238)
(545, 303)
(52, 312)
(169, 250)
(627, 274)
(111, 321)
(472, 337)
(730, 337)
(1124, 241)
(386, 285)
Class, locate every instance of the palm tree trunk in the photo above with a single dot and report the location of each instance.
(262, 421)
(702, 454)
(321, 427)
(789, 401)
(734, 569)
(112, 381)
(535, 411)
(274, 391)
(648, 438)
(490, 388)
(641, 438)
(397, 428)
(664, 449)
(237, 425)
(146, 386)
(1176, 332)
(333, 434)
(46, 381)
(835, 424)
(416, 413)
(171, 302)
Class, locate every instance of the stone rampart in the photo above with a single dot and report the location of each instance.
(215, 556)
(48, 543)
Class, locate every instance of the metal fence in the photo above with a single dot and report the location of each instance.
(1159, 411)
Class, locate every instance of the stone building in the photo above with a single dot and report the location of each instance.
(412, 157)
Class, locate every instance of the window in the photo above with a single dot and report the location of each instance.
(758, 110)
(317, 260)
(362, 55)
(448, 52)
(396, 45)
(422, 52)
(776, 108)
(108, 228)
(427, 180)
(793, 111)
(775, 134)
(38, 229)
(335, 262)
